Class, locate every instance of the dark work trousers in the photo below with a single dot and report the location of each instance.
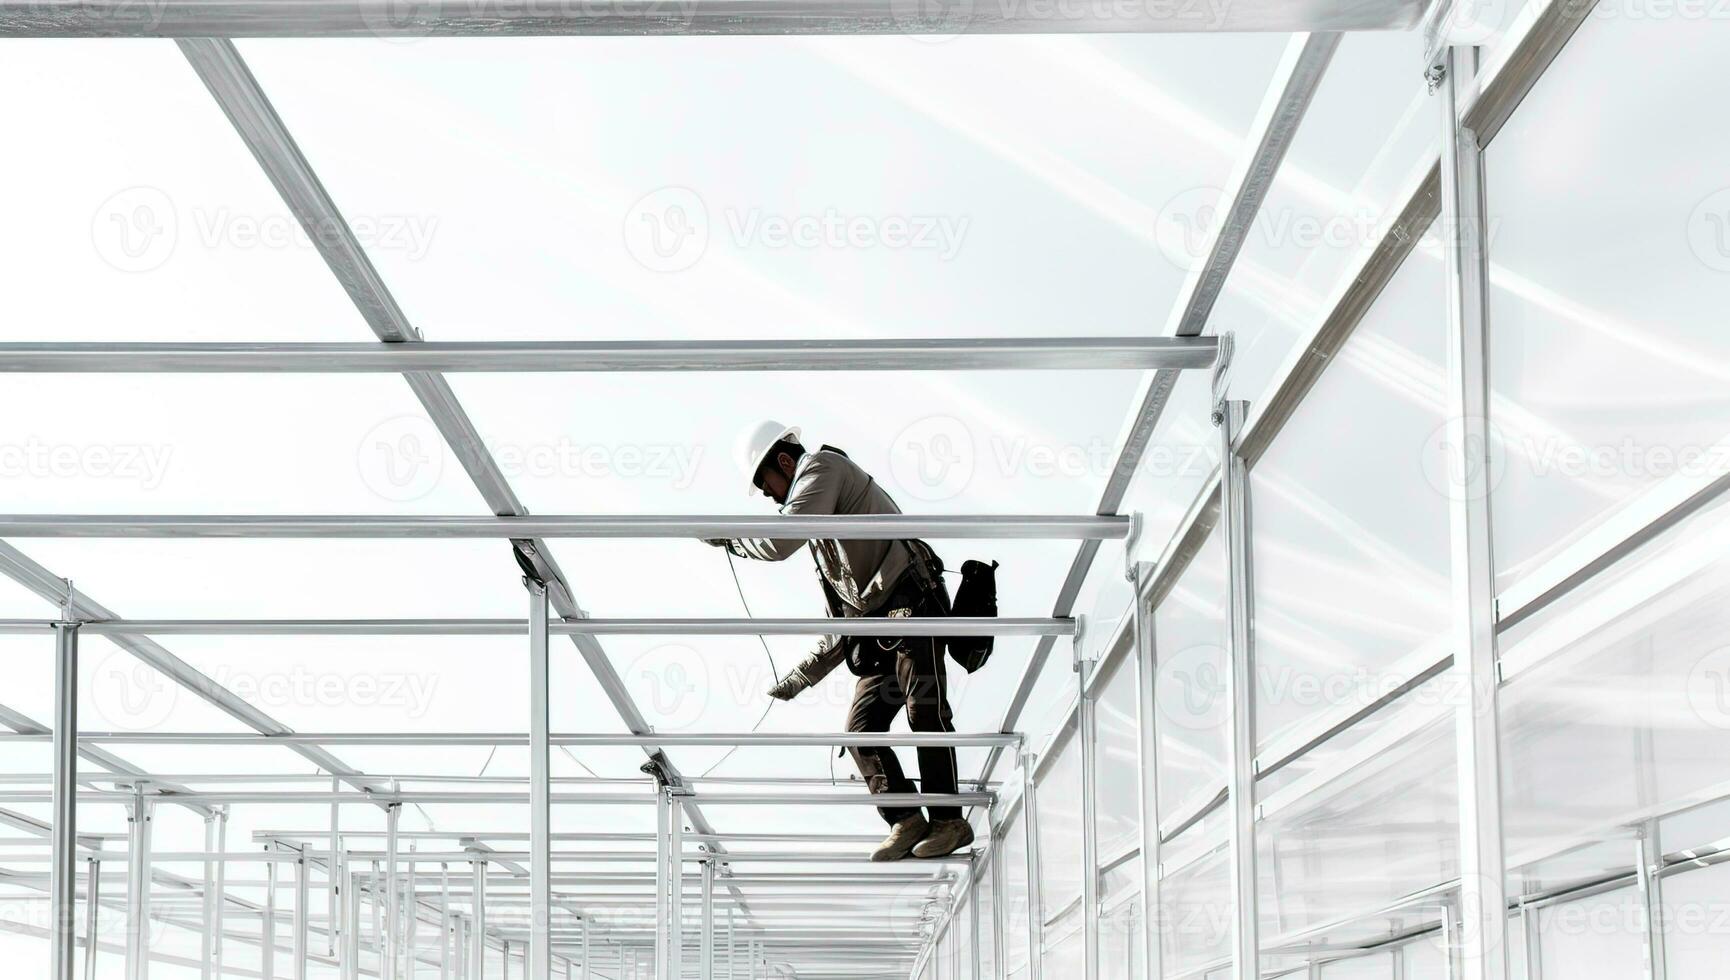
(916, 681)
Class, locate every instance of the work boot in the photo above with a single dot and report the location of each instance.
(946, 837)
(906, 833)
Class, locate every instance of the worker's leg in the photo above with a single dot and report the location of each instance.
(876, 701)
(923, 679)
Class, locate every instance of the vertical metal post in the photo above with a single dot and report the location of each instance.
(392, 901)
(478, 928)
(706, 942)
(302, 896)
(1240, 669)
(410, 915)
(1649, 852)
(207, 936)
(1085, 734)
(267, 925)
(333, 872)
(539, 965)
(63, 876)
(1529, 919)
(732, 949)
(999, 914)
(663, 879)
(588, 973)
(1483, 870)
(92, 905)
(676, 906)
(1451, 924)
(350, 967)
(219, 907)
(973, 920)
(1035, 902)
(1147, 753)
(375, 884)
(446, 933)
(138, 887)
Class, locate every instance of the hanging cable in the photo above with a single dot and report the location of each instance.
(774, 671)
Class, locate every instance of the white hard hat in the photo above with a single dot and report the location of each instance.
(754, 445)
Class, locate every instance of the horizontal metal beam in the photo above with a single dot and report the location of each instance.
(506, 18)
(873, 626)
(918, 354)
(775, 739)
(577, 799)
(869, 527)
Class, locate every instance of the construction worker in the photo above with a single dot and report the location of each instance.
(865, 578)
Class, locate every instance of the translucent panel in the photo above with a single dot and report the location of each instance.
(945, 442)
(984, 895)
(1694, 937)
(1063, 952)
(1614, 708)
(1181, 454)
(1608, 363)
(1120, 946)
(1366, 138)
(149, 220)
(271, 578)
(880, 209)
(1117, 805)
(1378, 966)
(1196, 911)
(1189, 635)
(1060, 844)
(1363, 839)
(1596, 938)
(1351, 561)
(224, 444)
(1425, 961)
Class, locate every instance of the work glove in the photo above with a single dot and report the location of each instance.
(789, 686)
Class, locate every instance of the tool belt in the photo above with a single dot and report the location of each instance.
(921, 592)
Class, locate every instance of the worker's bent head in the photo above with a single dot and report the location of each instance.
(768, 453)
(775, 476)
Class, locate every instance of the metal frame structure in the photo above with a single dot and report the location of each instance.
(383, 913)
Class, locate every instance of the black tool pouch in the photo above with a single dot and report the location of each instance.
(976, 596)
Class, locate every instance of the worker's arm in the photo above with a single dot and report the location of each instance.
(815, 493)
(818, 665)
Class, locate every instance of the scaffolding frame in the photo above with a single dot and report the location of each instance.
(1478, 100)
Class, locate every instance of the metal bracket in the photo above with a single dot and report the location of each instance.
(1222, 373)
(1434, 76)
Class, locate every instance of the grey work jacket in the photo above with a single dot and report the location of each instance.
(860, 574)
